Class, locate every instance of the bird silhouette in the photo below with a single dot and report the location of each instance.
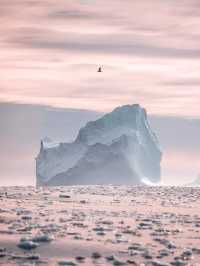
(99, 69)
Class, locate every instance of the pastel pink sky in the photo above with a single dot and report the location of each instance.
(149, 50)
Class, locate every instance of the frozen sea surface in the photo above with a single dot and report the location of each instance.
(100, 225)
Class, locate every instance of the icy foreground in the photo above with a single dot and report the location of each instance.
(119, 148)
(100, 225)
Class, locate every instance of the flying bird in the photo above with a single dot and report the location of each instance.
(99, 69)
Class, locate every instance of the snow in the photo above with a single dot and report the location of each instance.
(49, 144)
(147, 182)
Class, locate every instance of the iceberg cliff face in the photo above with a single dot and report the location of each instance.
(119, 148)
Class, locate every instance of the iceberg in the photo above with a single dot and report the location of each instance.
(119, 148)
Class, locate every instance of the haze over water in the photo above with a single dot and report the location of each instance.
(22, 127)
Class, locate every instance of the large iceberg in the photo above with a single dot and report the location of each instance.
(119, 148)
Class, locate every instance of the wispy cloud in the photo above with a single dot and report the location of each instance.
(149, 50)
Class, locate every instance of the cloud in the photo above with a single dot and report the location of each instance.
(149, 51)
(74, 14)
(94, 43)
(184, 82)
